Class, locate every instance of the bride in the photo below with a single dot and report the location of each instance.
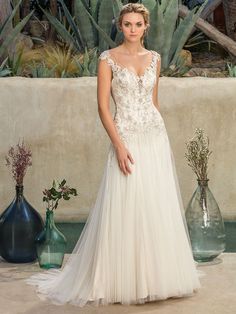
(135, 245)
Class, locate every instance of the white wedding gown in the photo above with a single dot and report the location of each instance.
(135, 245)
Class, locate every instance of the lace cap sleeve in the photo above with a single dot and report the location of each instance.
(158, 56)
(103, 55)
(106, 56)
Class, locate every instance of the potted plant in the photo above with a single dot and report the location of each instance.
(51, 243)
(20, 222)
(205, 223)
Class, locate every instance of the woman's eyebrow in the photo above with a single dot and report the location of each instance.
(130, 22)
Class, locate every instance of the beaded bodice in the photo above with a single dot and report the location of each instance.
(132, 95)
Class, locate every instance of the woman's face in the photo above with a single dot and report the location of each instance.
(133, 26)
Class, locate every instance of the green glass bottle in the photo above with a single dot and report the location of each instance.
(205, 224)
(50, 244)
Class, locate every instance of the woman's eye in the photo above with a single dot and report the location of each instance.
(127, 24)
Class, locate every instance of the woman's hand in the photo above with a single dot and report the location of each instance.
(123, 158)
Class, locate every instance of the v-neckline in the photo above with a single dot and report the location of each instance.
(129, 70)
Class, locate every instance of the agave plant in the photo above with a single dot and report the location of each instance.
(168, 33)
(94, 25)
(15, 63)
(41, 71)
(231, 69)
(84, 31)
(6, 39)
(88, 64)
(4, 71)
(178, 69)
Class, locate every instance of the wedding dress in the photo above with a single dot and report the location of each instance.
(135, 245)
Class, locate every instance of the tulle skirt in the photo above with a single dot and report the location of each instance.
(134, 246)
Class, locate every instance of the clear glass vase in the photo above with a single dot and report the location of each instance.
(50, 244)
(205, 224)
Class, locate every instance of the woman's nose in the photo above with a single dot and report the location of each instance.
(133, 29)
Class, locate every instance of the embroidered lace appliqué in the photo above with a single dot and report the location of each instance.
(132, 95)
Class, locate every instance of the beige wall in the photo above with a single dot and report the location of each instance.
(58, 118)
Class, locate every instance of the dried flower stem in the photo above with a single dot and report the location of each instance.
(198, 154)
(19, 158)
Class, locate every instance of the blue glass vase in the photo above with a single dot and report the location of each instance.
(205, 224)
(50, 244)
(19, 225)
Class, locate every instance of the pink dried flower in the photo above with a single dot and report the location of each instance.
(19, 158)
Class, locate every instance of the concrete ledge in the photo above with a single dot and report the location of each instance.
(58, 118)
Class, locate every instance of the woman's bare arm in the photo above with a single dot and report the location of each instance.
(155, 89)
(104, 77)
(103, 96)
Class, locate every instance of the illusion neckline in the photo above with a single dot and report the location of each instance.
(129, 70)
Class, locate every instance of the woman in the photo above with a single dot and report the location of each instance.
(135, 245)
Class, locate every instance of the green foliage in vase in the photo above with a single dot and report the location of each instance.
(231, 69)
(58, 191)
(7, 38)
(198, 153)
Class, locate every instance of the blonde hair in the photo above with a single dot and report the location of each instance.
(135, 8)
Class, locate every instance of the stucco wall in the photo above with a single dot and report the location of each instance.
(58, 118)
